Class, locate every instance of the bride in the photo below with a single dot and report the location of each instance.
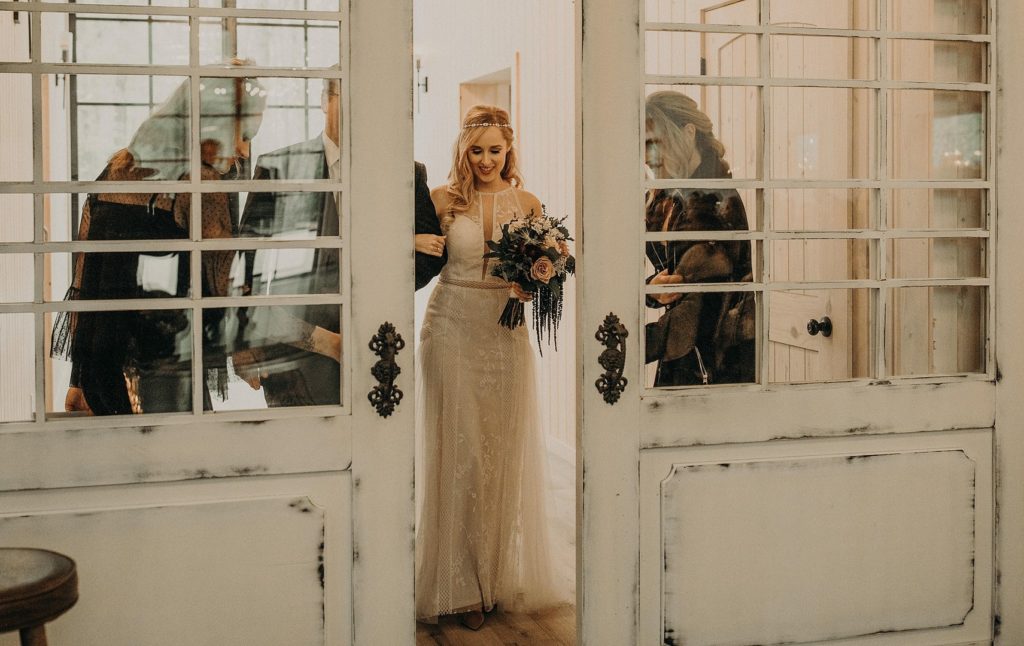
(481, 537)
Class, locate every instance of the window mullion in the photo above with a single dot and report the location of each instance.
(761, 323)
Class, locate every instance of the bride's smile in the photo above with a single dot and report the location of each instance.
(487, 158)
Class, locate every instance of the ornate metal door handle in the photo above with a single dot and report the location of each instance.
(612, 334)
(386, 345)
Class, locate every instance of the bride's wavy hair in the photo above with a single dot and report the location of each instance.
(461, 189)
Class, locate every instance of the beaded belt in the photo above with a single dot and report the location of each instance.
(474, 284)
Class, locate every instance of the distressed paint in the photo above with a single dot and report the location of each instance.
(819, 540)
(223, 562)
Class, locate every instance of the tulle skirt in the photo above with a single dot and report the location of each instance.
(482, 536)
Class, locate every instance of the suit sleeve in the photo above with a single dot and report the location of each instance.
(427, 266)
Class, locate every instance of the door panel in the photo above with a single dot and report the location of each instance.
(812, 541)
(226, 562)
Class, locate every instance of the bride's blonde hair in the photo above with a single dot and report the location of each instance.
(461, 189)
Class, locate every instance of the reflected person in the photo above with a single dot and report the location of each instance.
(139, 361)
(701, 338)
(293, 353)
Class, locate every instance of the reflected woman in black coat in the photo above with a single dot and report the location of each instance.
(701, 338)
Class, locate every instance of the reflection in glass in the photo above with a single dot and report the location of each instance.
(152, 274)
(937, 258)
(118, 38)
(936, 330)
(110, 349)
(277, 355)
(939, 61)
(280, 43)
(124, 362)
(265, 272)
(822, 15)
(942, 16)
(822, 209)
(677, 53)
(823, 57)
(283, 5)
(15, 128)
(710, 12)
(700, 338)
(937, 134)
(809, 142)
(17, 370)
(820, 260)
(802, 353)
(938, 208)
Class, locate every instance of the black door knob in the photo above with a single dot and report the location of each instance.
(824, 326)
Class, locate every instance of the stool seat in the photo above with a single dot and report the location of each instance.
(36, 586)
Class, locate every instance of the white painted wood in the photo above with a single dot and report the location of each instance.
(228, 562)
(1009, 314)
(914, 420)
(812, 541)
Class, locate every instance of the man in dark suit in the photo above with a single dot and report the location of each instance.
(428, 233)
(295, 351)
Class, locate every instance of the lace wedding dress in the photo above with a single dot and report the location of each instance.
(482, 536)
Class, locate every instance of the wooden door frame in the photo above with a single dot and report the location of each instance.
(611, 127)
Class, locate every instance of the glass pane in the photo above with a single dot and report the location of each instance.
(702, 54)
(936, 330)
(942, 16)
(266, 272)
(117, 38)
(823, 57)
(819, 335)
(712, 12)
(703, 209)
(134, 3)
(820, 260)
(268, 42)
(18, 368)
(723, 139)
(141, 119)
(15, 48)
(706, 338)
(276, 355)
(938, 258)
(121, 275)
(939, 208)
(937, 134)
(680, 262)
(16, 278)
(283, 5)
(289, 215)
(939, 61)
(822, 209)
(16, 128)
(122, 362)
(809, 142)
(825, 15)
(16, 221)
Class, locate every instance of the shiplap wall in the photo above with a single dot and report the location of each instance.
(461, 40)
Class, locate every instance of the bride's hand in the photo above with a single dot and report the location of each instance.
(520, 293)
(430, 244)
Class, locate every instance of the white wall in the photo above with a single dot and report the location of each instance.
(461, 40)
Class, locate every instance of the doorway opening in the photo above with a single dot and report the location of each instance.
(520, 57)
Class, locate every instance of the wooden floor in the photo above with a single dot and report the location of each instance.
(553, 628)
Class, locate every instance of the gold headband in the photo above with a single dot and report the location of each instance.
(487, 125)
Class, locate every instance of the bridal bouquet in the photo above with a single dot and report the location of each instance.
(534, 252)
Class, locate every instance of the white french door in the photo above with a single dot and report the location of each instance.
(231, 521)
(865, 486)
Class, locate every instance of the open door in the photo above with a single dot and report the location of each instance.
(846, 492)
(224, 515)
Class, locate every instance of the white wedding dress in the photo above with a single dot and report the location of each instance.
(482, 537)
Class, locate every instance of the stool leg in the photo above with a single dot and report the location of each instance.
(34, 636)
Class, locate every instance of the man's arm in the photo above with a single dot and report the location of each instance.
(427, 266)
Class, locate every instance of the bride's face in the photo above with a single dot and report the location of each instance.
(487, 156)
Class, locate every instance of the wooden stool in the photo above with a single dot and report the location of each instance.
(36, 586)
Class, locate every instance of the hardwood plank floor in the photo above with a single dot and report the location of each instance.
(553, 628)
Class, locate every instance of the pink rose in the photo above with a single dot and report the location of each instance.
(542, 270)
